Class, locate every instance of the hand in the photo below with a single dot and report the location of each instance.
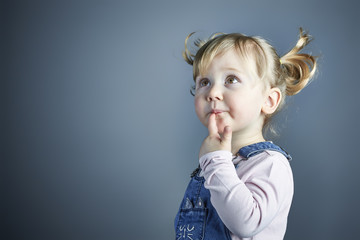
(215, 141)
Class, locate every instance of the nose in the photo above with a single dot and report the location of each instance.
(215, 93)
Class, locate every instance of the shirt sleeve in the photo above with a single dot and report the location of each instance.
(247, 207)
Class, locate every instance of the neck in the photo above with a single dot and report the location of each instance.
(240, 140)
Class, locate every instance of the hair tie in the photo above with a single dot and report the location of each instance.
(280, 61)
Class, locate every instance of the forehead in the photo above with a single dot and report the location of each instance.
(230, 59)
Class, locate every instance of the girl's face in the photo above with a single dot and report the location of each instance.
(229, 90)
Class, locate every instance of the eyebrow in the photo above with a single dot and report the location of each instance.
(233, 69)
(199, 77)
(244, 75)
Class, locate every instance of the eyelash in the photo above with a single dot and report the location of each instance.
(233, 78)
(201, 81)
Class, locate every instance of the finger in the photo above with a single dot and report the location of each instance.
(212, 126)
(227, 134)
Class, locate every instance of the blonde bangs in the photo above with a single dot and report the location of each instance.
(204, 58)
(247, 48)
(253, 55)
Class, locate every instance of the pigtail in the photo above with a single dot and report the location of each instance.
(298, 68)
(187, 55)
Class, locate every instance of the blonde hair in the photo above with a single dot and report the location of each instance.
(290, 73)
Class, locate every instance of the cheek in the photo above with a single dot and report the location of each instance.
(243, 106)
(235, 104)
(199, 108)
(197, 103)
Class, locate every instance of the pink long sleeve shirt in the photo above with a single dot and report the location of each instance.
(252, 196)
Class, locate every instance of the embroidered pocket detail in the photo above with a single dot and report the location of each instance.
(185, 232)
(191, 221)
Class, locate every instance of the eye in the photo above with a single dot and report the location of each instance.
(204, 82)
(231, 80)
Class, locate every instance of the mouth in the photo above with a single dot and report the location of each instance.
(216, 111)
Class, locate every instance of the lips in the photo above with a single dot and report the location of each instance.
(217, 111)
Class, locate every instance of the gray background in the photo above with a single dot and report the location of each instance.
(98, 129)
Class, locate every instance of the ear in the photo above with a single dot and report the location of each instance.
(272, 100)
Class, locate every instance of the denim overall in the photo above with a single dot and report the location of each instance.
(197, 219)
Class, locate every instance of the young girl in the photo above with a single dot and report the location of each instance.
(243, 186)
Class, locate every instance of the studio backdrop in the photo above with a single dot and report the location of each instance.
(98, 129)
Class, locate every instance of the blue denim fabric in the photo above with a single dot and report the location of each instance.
(256, 148)
(197, 219)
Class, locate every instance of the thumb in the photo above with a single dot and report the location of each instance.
(227, 134)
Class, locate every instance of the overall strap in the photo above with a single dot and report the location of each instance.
(256, 148)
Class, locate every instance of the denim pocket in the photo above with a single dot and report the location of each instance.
(191, 224)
